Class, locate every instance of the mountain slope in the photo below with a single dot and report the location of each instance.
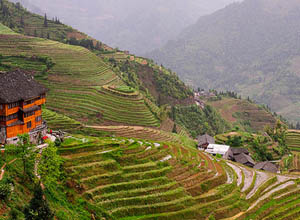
(121, 24)
(250, 47)
(76, 79)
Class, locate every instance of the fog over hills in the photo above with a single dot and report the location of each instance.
(135, 25)
(251, 47)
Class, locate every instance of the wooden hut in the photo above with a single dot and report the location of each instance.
(21, 98)
(204, 141)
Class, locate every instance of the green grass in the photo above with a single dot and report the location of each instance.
(293, 140)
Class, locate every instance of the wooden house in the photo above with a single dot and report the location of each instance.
(21, 98)
(244, 159)
(204, 141)
(266, 166)
(234, 151)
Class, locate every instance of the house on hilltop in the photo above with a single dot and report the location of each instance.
(204, 141)
(21, 98)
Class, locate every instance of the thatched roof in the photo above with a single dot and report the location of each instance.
(205, 139)
(239, 150)
(267, 166)
(244, 159)
(17, 86)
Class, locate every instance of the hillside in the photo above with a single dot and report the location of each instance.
(133, 179)
(121, 24)
(244, 114)
(16, 17)
(74, 74)
(250, 47)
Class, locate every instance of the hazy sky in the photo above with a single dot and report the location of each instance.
(135, 25)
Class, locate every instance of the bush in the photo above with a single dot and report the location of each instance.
(5, 190)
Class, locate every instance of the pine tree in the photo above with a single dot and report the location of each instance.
(45, 21)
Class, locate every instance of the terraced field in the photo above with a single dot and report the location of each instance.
(243, 113)
(75, 83)
(139, 132)
(136, 179)
(58, 121)
(293, 140)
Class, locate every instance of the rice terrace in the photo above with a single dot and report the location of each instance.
(89, 131)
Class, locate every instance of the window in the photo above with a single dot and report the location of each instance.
(28, 102)
(38, 119)
(13, 105)
(29, 124)
(28, 114)
(2, 118)
(8, 118)
(11, 117)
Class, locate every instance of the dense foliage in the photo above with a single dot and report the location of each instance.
(199, 121)
(161, 83)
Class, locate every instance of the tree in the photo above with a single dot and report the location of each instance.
(35, 33)
(48, 35)
(298, 126)
(174, 129)
(45, 21)
(38, 208)
(22, 23)
(18, 5)
(50, 164)
(26, 153)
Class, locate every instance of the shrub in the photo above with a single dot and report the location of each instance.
(5, 190)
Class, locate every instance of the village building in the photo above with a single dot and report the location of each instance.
(215, 149)
(204, 141)
(21, 98)
(266, 166)
(244, 159)
(235, 151)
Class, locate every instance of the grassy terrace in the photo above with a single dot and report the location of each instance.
(76, 80)
(137, 179)
(293, 140)
(58, 121)
(244, 114)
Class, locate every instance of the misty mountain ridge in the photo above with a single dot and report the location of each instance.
(250, 47)
(137, 26)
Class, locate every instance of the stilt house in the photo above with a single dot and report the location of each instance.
(21, 98)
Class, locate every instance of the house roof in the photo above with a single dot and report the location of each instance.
(236, 151)
(267, 166)
(243, 159)
(217, 149)
(205, 139)
(17, 86)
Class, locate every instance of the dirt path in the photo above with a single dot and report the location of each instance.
(268, 194)
(249, 175)
(261, 178)
(238, 171)
(3, 167)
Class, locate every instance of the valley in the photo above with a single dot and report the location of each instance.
(122, 136)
